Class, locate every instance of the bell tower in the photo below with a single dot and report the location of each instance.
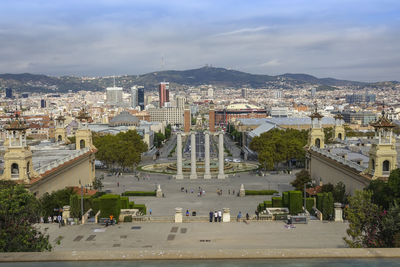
(316, 136)
(61, 133)
(18, 155)
(382, 155)
(338, 129)
(83, 136)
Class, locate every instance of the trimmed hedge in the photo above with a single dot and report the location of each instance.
(131, 204)
(260, 192)
(139, 193)
(277, 202)
(75, 204)
(285, 199)
(295, 202)
(95, 205)
(325, 204)
(124, 202)
(268, 204)
(141, 207)
(110, 205)
(309, 203)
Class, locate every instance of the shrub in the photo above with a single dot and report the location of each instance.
(267, 204)
(110, 205)
(128, 218)
(131, 204)
(260, 207)
(320, 197)
(139, 193)
(295, 205)
(260, 192)
(285, 199)
(277, 202)
(325, 204)
(95, 205)
(75, 204)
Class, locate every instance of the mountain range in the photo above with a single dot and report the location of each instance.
(27, 82)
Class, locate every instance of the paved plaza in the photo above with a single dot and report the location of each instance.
(196, 236)
(191, 201)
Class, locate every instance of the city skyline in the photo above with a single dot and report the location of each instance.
(353, 40)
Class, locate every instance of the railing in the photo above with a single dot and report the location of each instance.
(61, 161)
(339, 159)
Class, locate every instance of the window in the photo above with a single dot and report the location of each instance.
(318, 143)
(386, 166)
(59, 138)
(373, 164)
(340, 136)
(14, 170)
(82, 144)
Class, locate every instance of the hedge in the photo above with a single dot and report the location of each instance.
(285, 199)
(110, 205)
(131, 204)
(295, 202)
(139, 193)
(309, 203)
(268, 204)
(260, 207)
(277, 202)
(124, 202)
(325, 204)
(75, 204)
(260, 192)
(95, 205)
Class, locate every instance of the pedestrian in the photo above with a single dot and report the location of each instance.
(233, 193)
(229, 191)
(49, 219)
(150, 211)
(187, 212)
(219, 215)
(247, 216)
(211, 216)
(59, 218)
(257, 214)
(215, 216)
(117, 184)
(186, 191)
(239, 216)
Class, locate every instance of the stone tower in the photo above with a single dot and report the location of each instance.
(338, 129)
(52, 129)
(187, 119)
(61, 132)
(211, 117)
(83, 136)
(316, 136)
(382, 155)
(18, 155)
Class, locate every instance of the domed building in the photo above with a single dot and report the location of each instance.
(124, 119)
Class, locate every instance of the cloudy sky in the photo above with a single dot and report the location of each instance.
(357, 40)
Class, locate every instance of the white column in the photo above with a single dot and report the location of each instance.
(221, 174)
(207, 173)
(179, 173)
(193, 174)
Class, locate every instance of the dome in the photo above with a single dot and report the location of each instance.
(124, 118)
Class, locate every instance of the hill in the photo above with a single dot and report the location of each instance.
(26, 82)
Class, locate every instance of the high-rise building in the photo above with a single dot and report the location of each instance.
(114, 96)
(9, 93)
(180, 102)
(42, 103)
(210, 92)
(278, 94)
(313, 92)
(244, 93)
(134, 96)
(163, 93)
(141, 97)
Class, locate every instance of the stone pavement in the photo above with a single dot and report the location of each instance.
(188, 201)
(196, 236)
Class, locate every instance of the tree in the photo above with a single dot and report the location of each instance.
(339, 193)
(158, 139)
(328, 134)
(364, 221)
(394, 183)
(97, 183)
(19, 209)
(55, 200)
(302, 177)
(326, 188)
(390, 233)
(168, 131)
(382, 195)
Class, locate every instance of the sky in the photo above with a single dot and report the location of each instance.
(345, 39)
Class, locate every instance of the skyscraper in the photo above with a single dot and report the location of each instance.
(244, 93)
(141, 97)
(9, 93)
(114, 95)
(163, 93)
(134, 96)
(42, 103)
(180, 102)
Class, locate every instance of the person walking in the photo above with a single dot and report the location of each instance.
(215, 216)
(59, 218)
(187, 212)
(211, 216)
(219, 215)
(239, 216)
(247, 216)
(150, 211)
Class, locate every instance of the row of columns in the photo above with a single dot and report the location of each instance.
(207, 172)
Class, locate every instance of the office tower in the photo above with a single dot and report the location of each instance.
(278, 94)
(313, 92)
(244, 93)
(42, 103)
(114, 95)
(163, 90)
(141, 97)
(134, 96)
(9, 93)
(180, 102)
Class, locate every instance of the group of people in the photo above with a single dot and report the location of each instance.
(216, 215)
(219, 192)
(200, 191)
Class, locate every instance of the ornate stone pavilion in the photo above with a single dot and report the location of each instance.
(355, 162)
(47, 166)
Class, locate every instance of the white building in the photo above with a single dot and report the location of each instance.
(114, 95)
(210, 92)
(170, 115)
